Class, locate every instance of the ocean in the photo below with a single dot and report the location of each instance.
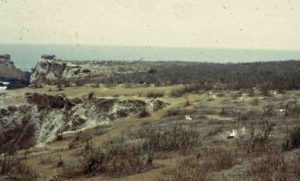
(26, 56)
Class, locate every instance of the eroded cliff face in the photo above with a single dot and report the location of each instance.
(10, 75)
(52, 71)
(45, 116)
(8, 69)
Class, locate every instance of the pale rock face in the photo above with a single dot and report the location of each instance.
(47, 70)
(55, 71)
(50, 126)
(48, 115)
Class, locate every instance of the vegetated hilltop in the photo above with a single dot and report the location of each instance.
(272, 75)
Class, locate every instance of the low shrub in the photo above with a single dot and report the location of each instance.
(12, 166)
(115, 159)
(172, 112)
(173, 138)
(144, 113)
(258, 141)
(179, 92)
(59, 135)
(91, 95)
(198, 168)
(251, 92)
(265, 91)
(269, 167)
(223, 111)
(293, 139)
(187, 102)
(155, 94)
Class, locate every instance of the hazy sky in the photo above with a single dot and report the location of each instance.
(269, 24)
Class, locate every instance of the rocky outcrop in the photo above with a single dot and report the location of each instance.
(52, 71)
(45, 116)
(9, 73)
(8, 69)
(48, 57)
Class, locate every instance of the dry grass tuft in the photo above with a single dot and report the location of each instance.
(293, 140)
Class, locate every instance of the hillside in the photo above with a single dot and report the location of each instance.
(204, 135)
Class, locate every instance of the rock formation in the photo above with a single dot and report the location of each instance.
(45, 116)
(8, 69)
(9, 73)
(52, 71)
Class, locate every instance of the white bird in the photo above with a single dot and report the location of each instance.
(281, 110)
(212, 96)
(187, 117)
(233, 133)
(243, 130)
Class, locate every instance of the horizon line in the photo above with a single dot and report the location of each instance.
(150, 46)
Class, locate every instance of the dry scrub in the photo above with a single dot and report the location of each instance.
(15, 169)
(198, 168)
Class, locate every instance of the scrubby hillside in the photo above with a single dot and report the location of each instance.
(200, 135)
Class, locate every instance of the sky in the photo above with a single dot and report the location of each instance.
(249, 24)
